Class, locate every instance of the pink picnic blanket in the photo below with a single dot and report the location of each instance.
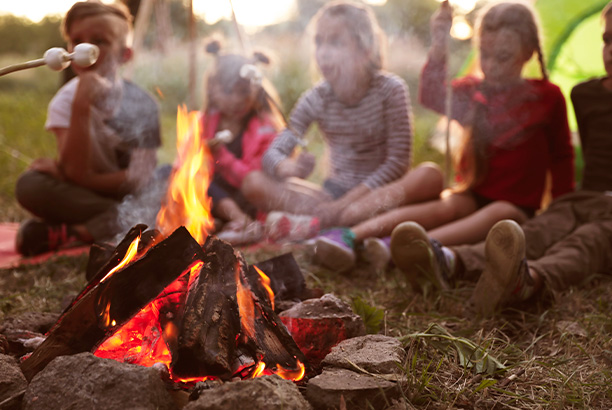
(9, 258)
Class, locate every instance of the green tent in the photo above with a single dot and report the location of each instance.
(572, 41)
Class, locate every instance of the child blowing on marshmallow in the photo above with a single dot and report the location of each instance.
(107, 132)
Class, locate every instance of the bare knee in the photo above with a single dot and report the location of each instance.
(499, 210)
(428, 181)
(253, 186)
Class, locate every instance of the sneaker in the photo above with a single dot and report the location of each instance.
(377, 252)
(35, 237)
(334, 249)
(506, 275)
(248, 234)
(418, 255)
(285, 227)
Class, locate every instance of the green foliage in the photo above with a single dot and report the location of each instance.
(470, 354)
(371, 315)
(21, 36)
(23, 108)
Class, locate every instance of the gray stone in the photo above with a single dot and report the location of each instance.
(265, 393)
(317, 325)
(12, 381)
(359, 391)
(30, 321)
(373, 353)
(83, 381)
(327, 305)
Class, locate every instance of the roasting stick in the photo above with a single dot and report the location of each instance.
(57, 59)
(448, 102)
(460, 29)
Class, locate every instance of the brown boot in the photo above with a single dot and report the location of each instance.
(506, 275)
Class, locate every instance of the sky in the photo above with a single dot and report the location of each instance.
(248, 12)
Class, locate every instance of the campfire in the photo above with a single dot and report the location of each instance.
(177, 297)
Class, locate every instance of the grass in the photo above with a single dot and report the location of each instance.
(556, 354)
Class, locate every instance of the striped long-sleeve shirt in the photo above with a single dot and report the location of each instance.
(368, 143)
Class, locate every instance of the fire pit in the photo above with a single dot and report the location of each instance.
(201, 311)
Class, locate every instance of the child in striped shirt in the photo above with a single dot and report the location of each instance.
(364, 115)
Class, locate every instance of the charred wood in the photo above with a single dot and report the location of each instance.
(109, 304)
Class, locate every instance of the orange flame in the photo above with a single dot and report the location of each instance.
(266, 283)
(261, 366)
(246, 307)
(187, 203)
(294, 375)
(129, 256)
(142, 340)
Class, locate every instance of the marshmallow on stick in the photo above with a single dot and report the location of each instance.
(57, 59)
(222, 137)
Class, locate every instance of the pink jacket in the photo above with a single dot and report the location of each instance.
(257, 136)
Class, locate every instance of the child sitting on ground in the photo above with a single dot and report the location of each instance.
(364, 116)
(239, 105)
(558, 248)
(107, 132)
(516, 132)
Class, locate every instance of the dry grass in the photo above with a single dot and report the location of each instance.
(557, 353)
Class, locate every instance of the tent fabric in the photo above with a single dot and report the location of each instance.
(559, 18)
(572, 42)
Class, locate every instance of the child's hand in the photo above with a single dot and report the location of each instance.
(306, 163)
(47, 166)
(97, 90)
(299, 167)
(441, 23)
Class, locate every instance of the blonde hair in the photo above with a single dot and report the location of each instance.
(360, 21)
(471, 158)
(226, 72)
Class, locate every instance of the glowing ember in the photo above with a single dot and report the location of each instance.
(187, 203)
(143, 340)
(266, 283)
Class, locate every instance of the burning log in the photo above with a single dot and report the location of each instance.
(210, 323)
(228, 315)
(112, 300)
(286, 278)
(105, 256)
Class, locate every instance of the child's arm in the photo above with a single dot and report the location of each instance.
(278, 161)
(256, 139)
(432, 85)
(142, 165)
(397, 117)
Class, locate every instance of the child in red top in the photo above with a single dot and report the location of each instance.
(516, 132)
(240, 122)
(559, 248)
